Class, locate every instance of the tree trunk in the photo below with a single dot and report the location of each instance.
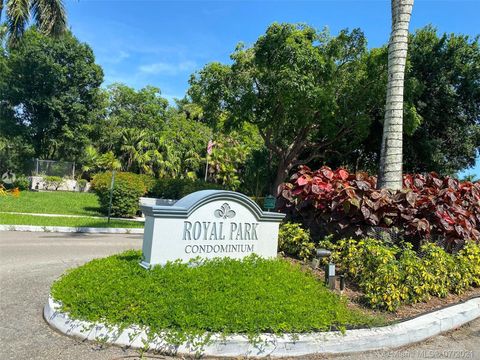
(391, 156)
(282, 173)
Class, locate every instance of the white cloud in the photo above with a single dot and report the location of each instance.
(116, 58)
(168, 68)
(123, 54)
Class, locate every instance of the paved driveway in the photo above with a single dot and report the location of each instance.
(30, 262)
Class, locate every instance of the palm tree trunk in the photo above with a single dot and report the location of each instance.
(391, 156)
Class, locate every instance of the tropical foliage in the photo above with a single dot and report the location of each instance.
(392, 275)
(13, 192)
(441, 110)
(295, 241)
(348, 204)
(48, 16)
(296, 96)
(297, 85)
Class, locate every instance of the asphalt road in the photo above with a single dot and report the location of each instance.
(30, 262)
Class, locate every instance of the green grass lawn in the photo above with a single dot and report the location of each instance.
(15, 219)
(227, 296)
(55, 202)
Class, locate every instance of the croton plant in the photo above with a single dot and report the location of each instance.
(347, 204)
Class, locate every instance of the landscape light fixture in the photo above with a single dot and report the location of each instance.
(329, 268)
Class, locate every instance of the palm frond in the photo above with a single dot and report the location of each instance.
(3, 32)
(18, 13)
(50, 16)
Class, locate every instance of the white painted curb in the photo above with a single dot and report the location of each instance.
(67, 229)
(387, 337)
(137, 219)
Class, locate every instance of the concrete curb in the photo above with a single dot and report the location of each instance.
(137, 219)
(67, 229)
(387, 337)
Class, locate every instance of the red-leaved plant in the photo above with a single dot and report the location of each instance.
(348, 204)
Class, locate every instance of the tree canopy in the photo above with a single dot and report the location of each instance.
(49, 94)
(446, 72)
(441, 110)
(295, 96)
(297, 85)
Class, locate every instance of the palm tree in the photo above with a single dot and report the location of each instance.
(165, 161)
(134, 147)
(108, 161)
(48, 15)
(391, 155)
(94, 161)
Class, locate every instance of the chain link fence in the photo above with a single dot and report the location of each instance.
(64, 169)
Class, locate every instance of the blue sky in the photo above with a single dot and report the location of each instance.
(162, 43)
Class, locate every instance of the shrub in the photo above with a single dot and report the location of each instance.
(127, 190)
(350, 205)
(442, 267)
(390, 275)
(293, 240)
(416, 276)
(52, 182)
(22, 183)
(178, 188)
(470, 260)
(149, 182)
(82, 184)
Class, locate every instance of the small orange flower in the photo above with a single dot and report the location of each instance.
(15, 192)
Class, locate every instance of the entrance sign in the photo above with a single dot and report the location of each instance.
(208, 224)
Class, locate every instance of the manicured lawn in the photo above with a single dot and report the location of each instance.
(220, 296)
(15, 219)
(55, 202)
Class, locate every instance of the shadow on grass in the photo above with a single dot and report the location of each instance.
(94, 210)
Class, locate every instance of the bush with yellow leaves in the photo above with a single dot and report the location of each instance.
(391, 275)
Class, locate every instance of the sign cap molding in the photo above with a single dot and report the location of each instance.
(188, 204)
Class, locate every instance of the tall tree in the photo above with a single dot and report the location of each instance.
(441, 117)
(297, 85)
(127, 108)
(391, 154)
(50, 94)
(189, 138)
(48, 15)
(443, 84)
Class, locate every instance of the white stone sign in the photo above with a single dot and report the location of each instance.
(208, 224)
